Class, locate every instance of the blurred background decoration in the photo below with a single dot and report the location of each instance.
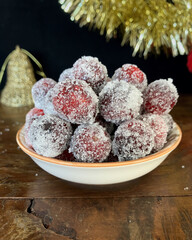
(46, 31)
(189, 61)
(147, 25)
(20, 78)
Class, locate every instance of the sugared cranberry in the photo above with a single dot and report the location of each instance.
(40, 89)
(133, 139)
(90, 143)
(169, 121)
(160, 96)
(159, 127)
(119, 101)
(92, 71)
(30, 117)
(131, 74)
(75, 101)
(50, 135)
(48, 107)
(67, 73)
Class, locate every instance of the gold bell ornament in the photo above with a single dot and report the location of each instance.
(20, 78)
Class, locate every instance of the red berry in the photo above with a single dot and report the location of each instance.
(48, 107)
(67, 73)
(33, 114)
(169, 121)
(133, 139)
(90, 143)
(119, 101)
(160, 96)
(159, 127)
(92, 71)
(66, 156)
(30, 117)
(50, 135)
(131, 74)
(40, 89)
(75, 101)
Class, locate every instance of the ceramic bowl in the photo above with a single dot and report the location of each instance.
(106, 172)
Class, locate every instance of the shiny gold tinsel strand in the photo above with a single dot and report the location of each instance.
(20, 78)
(147, 25)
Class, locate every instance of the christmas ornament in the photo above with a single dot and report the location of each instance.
(20, 78)
(189, 61)
(147, 25)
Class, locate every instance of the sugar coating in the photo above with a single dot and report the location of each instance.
(67, 73)
(75, 101)
(131, 74)
(90, 143)
(159, 127)
(40, 89)
(133, 139)
(160, 96)
(91, 70)
(50, 135)
(29, 118)
(48, 107)
(119, 101)
(33, 114)
(169, 121)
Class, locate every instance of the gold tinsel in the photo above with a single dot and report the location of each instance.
(20, 78)
(147, 25)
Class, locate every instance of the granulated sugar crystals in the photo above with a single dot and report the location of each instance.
(89, 117)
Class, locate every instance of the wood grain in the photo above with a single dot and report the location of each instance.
(17, 224)
(146, 218)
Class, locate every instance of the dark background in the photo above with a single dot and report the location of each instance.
(42, 28)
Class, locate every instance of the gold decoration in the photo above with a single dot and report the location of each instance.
(20, 78)
(147, 25)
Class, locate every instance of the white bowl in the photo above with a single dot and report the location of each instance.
(102, 173)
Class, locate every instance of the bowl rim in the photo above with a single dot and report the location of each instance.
(147, 158)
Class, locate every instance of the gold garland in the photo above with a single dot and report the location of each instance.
(147, 25)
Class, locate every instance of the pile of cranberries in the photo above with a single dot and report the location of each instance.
(94, 118)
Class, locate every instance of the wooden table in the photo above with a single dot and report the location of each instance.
(35, 205)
